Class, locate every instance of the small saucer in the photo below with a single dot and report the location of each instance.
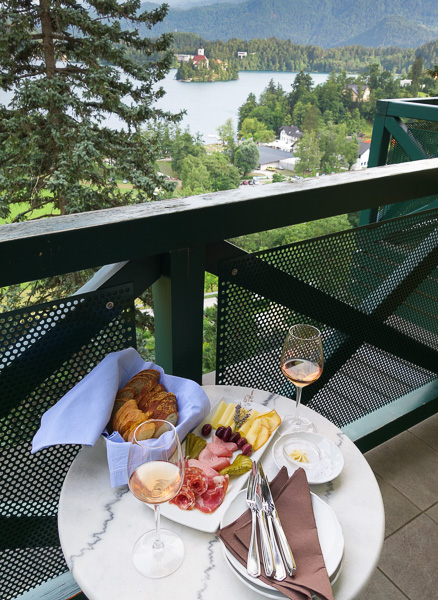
(323, 466)
(301, 452)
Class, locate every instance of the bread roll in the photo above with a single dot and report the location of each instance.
(143, 398)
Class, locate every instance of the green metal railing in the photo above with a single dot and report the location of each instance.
(170, 244)
(403, 131)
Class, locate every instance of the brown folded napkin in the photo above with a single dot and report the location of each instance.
(294, 507)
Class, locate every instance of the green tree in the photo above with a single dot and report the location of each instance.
(306, 116)
(227, 136)
(350, 151)
(195, 176)
(416, 73)
(301, 88)
(307, 152)
(254, 129)
(223, 175)
(247, 156)
(246, 109)
(184, 144)
(68, 67)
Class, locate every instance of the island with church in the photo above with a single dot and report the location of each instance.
(198, 67)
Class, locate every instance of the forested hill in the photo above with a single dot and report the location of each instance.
(326, 23)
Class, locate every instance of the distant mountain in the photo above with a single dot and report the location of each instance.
(326, 23)
(394, 31)
(185, 4)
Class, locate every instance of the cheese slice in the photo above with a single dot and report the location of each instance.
(216, 419)
(227, 417)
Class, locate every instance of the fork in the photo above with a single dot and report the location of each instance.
(253, 562)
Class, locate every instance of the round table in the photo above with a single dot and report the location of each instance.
(98, 525)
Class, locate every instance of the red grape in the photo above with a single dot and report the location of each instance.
(235, 437)
(247, 449)
(206, 430)
(240, 443)
(227, 434)
(220, 431)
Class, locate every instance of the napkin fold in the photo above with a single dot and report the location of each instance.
(82, 414)
(294, 506)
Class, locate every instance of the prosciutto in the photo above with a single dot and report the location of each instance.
(214, 496)
(230, 445)
(211, 460)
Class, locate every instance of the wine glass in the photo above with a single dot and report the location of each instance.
(302, 362)
(155, 475)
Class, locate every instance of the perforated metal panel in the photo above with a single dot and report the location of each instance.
(425, 134)
(45, 351)
(372, 291)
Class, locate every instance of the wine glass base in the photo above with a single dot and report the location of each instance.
(156, 563)
(291, 425)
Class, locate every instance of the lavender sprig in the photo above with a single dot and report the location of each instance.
(242, 415)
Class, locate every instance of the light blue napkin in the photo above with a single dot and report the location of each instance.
(81, 416)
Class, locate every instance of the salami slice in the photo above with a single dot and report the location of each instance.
(185, 499)
(196, 480)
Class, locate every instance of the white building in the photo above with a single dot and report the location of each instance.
(289, 135)
(184, 57)
(364, 155)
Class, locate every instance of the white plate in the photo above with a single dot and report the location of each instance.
(330, 466)
(329, 530)
(211, 522)
(271, 592)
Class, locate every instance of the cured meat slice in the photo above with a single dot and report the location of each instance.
(196, 480)
(213, 497)
(185, 499)
(193, 462)
(219, 450)
(215, 462)
(230, 445)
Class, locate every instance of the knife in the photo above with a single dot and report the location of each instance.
(280, 571)
(285, 549)
(268, 561)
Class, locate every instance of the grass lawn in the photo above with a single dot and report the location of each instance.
(165, 166)
(16, 209)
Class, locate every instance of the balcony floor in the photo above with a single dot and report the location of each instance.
(406, 468)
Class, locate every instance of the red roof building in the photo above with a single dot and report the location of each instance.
(200, 58)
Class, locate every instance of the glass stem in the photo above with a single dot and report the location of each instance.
(297, 405)
(158, 544)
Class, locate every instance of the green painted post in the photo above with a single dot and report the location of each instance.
(179, 310)
(399, 131)
(378, 153)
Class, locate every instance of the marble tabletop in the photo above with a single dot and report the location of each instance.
(98, 525)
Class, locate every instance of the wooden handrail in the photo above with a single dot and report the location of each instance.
(33, 250)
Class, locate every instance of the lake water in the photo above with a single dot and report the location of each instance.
(209, 105)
